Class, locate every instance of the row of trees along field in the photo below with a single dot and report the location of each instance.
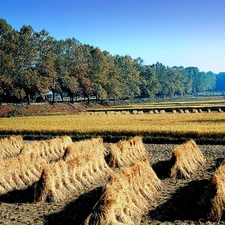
(33, 63)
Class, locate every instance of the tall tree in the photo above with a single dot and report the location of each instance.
(129, 76)
(149, 82)
(98, 73)
(26, 78)
(8, 48)
(45, 63)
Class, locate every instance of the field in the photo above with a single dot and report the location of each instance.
(154, 128)
(176, 203)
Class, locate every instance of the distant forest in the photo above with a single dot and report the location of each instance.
(33, 64)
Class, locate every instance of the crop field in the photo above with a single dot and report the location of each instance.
(107, 166)
(152, 127)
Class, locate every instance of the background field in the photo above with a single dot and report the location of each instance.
(203, 127)
(120, 120)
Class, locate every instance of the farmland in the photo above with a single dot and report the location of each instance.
(167, 127)
(177, 203)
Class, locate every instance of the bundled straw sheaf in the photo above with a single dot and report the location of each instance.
(20, 172)
(50, 150)
(126, 198)
(63, 180)
(124, 153)
(186, 159)
(213, 200)
(92, 146)
(10, 146)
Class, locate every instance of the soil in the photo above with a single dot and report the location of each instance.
(42, 109)
(176, 204)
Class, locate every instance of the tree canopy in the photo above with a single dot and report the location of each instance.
(33, 64)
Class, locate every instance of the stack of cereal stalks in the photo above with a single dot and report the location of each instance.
(186, 159)
(126, 198)
(10, 147)
(80, 171)
(20, 172)
(124, 153)
(50, 150)
(91, 146)
(213, 200)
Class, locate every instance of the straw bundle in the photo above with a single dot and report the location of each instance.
(124, 153)
(186, 159)
(50, 150)
(126, 198)
(18, 173)
(214, 197)
(92, 146)
(140, 112)
(10, 147)
(194, 110)
(64, 180)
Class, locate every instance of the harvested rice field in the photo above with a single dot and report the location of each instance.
(140, 187)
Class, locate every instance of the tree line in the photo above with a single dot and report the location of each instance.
(34, 63)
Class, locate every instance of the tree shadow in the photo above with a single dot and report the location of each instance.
(183, 204)
(76, 211)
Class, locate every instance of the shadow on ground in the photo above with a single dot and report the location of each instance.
(76, 211)
(183, 205)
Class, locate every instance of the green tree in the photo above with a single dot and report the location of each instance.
(26, 78)
(149, 82)
(129, 76)
(45, 63)
(8, 48)
(98, 73)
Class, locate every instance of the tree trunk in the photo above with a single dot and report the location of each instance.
(53, 96)
(28, 99)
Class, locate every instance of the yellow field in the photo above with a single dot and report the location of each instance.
(201, 123)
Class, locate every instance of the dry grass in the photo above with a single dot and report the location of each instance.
(50, 150)
(92, 146)
(10, 146)
(64, 180)
(186, 159)
(18, 173)
(124, 153)
(126, 197)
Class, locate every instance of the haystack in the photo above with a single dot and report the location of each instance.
(91, 146)
(126, 198)
(18, 173)
(10, 146)
(124, 153)
(64, 180)
(186, 159)
(213, 200)
(50, 150)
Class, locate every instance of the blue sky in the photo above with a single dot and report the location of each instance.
(173, 32)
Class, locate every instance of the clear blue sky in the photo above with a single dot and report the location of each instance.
(173, 32)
